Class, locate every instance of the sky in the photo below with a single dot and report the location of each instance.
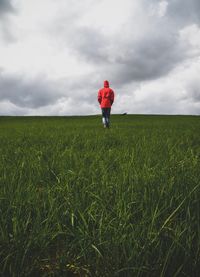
(55, 55)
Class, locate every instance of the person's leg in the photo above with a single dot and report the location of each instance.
(107, 117)
(104, 116)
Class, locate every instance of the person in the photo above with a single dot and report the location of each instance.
(106, 99)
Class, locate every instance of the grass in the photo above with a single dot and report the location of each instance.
(78, 200)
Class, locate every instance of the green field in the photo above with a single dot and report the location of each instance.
(78, 200)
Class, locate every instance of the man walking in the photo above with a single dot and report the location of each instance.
(106, 99)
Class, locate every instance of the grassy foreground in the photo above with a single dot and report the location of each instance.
(78, 200)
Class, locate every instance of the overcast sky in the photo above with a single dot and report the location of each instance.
(55, 55)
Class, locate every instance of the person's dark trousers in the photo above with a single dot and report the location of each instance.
(106, 116)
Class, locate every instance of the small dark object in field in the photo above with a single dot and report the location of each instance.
(124, 114)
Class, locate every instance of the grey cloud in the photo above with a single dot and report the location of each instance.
(151, 56)
(7, 108)
(6, 32)
(6, 6)
(31, 94)
(194, 91)
(38, 93)
(149, 59)
(83, 90)
(184, 12)
(90, 44)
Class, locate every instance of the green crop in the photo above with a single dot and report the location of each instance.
(79, 200)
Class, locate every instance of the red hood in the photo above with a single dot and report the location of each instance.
(106, 84)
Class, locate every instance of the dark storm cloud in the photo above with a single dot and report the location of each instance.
(150, 58)
(37, 93)
(151, 55)
(25, 93)
(5, 7)
(154, 54)
(184, 11)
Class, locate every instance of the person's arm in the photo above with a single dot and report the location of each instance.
(112, 96)
(99, 97)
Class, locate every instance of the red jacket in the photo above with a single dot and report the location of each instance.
(106, 96)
